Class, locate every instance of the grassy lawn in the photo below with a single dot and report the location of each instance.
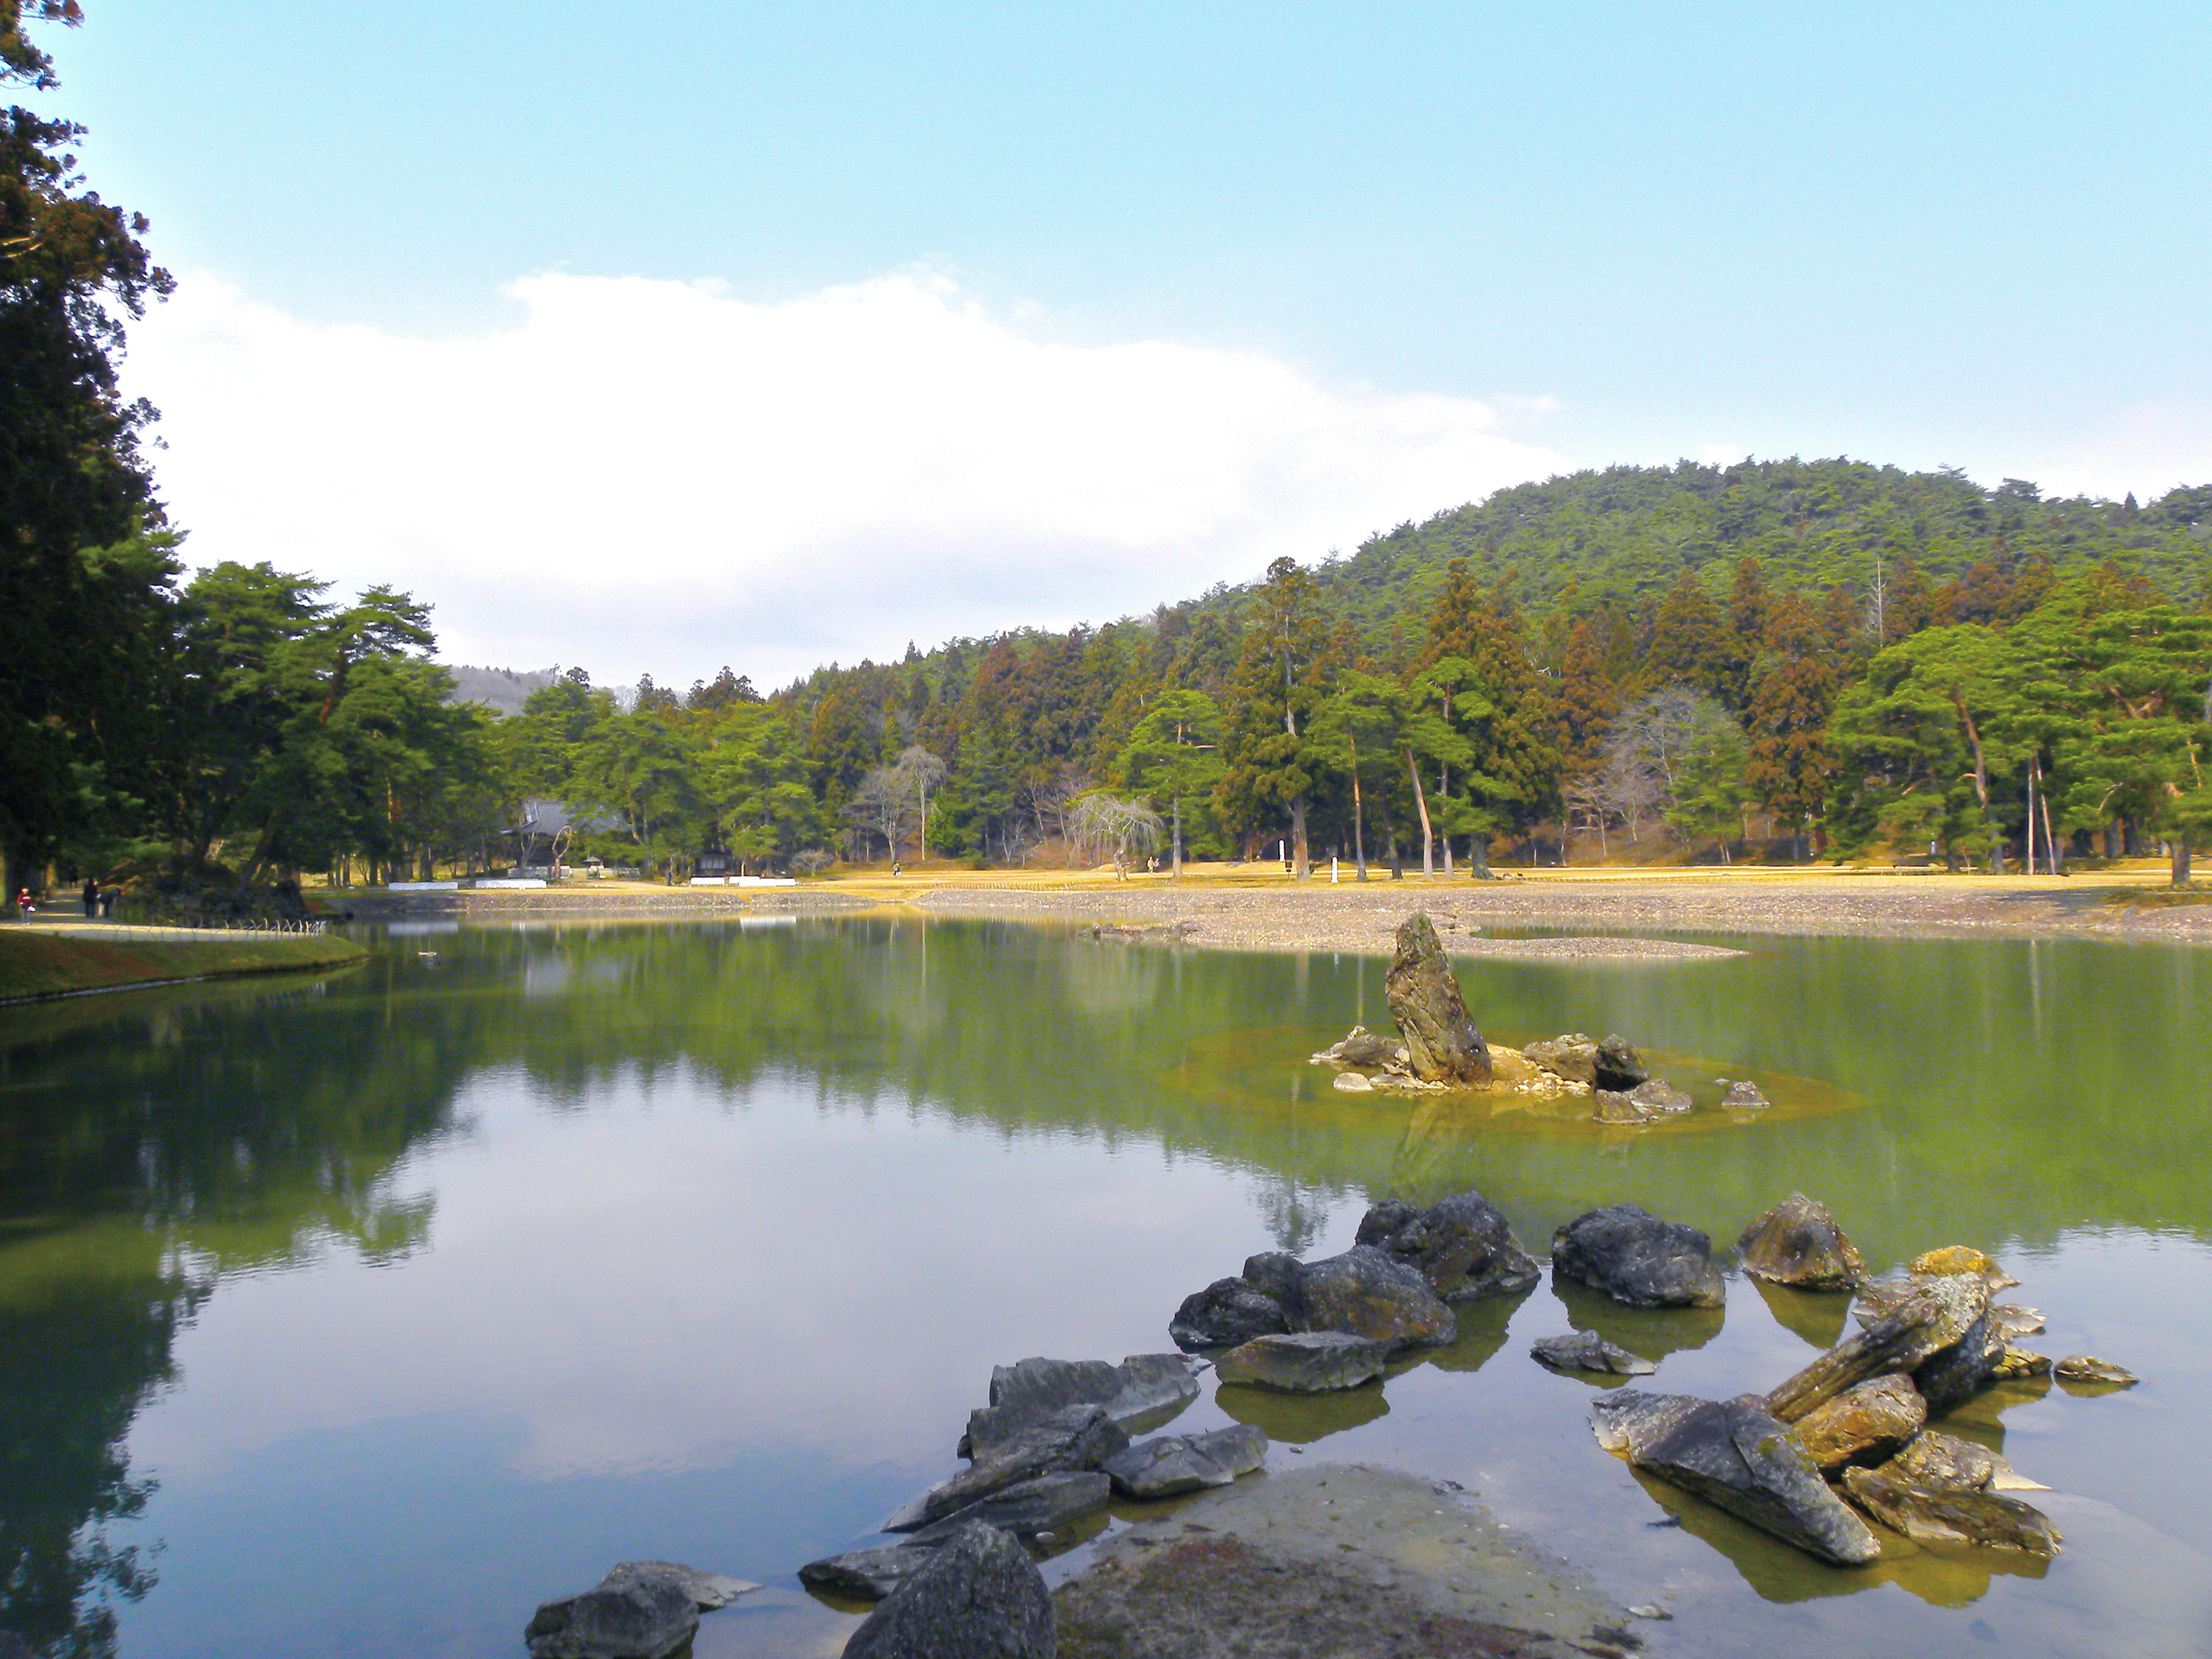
(36, 962)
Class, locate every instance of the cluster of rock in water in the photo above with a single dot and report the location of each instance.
(1441, 1048)
(1811, 1461)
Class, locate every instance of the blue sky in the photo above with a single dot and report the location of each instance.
(1465, 244)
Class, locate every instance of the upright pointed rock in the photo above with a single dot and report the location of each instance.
(1442, 1042)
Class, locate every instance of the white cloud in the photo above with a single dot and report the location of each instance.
(2146, 448)
(653, 476)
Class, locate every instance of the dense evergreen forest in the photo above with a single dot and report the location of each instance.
(1777, 659)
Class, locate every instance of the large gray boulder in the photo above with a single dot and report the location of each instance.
(1170, 1464)
(1463, 1246)
(1304, 1362)
(1626, 1253)
(1736, 1456)
(1442, 1042)
(1368, 1292)
(979, 1596)
(1798, 1244)
(1365, 1291)
(1075, 1437)
(1144, 1389)
(641, 1615)
(1225, 1313)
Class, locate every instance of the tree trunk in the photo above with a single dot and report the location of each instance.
(1358, 828)
(1981, 780)
(1178, 837)
(1303, 863)
(1421, 805)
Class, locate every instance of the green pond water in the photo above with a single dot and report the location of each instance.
(356, 1317)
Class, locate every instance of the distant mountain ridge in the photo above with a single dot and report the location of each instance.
(502, 689)
(1628, 533)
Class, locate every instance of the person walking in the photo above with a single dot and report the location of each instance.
(23, 904)
(91, 899)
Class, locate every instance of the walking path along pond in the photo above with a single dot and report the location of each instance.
(358, 1316)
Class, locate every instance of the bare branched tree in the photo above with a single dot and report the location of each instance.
(1103, 825)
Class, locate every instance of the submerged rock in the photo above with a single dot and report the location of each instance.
(1868, 1423)
(1353, 1083)
(1928, 1516)
(1743, 1096)
(1626, 1253)
(1586, 1351)
(2012, 1363)
(1660, 1098)
(1798, 1244)
(2087, 1368)
(1145, 1388)
(1739, 1458)
(1074, 1438)
(1174, 1463)
(1305, 1362)
(979, 1596)
(1028, 1509)
(867, 1575)
(1463, 1247)
(1612, 1106)
(1442, 1042)
(1617, 1066)
(707, 1591)
(640, 1610)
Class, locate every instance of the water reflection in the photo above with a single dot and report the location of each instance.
(709, 1233)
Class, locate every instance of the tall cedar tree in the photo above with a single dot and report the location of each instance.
(1512, 744)
(85, 577)
(1281, 679)
(1793, 688)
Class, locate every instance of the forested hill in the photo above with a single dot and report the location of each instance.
(1627, 532)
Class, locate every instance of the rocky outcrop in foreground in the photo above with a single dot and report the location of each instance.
(1847, 1432)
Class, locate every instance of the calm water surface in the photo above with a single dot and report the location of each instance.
(355, 1318)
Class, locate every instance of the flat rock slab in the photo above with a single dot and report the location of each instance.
(1346, 1561)
(1305, 1362)
(1586, 1351)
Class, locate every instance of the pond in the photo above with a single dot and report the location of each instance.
(358, 1316)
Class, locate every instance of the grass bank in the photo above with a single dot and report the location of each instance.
(40, 962)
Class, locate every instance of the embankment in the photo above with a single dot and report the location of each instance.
(43, 962)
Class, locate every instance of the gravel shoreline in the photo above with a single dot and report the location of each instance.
(1359, 918)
